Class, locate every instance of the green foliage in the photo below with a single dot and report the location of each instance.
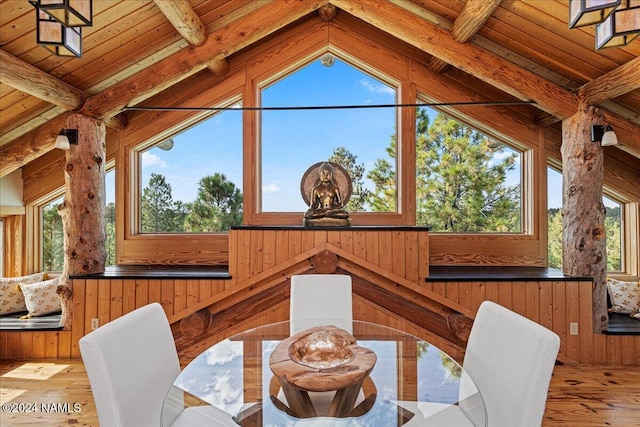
(555, 239)
(460, 187)
(52, 238)
(158, 212)
(612, 225)
(217, 207)
(383, 175)
(110, 234)
(359, 194)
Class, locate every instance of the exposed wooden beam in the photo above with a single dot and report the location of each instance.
(218, 67)
(29, 79)
(484, 65)
(472, 17)
(616, 82)
(627, 132)
(227, 40)
(184, 19)
(188, 23)
(327, 12)
(506, 76)
(31, 145)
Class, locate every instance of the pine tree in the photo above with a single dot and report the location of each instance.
(359, 193)
(159, 213)
(460, 187)
(52, 238)
(217, 207)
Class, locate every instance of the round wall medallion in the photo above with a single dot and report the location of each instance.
(311, 178)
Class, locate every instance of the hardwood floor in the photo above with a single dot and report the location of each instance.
(579, 395)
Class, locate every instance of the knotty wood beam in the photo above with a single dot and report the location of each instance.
(188, 24)
(473, 16)
(484, 65)
(616, 82)
(419, 32)
(184, 19)
(583, 244)
(29, 79)
(628, 133)
(31, 145)
(227, 40)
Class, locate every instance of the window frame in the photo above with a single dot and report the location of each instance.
(135, 248)
(402, 216)
(526, 170)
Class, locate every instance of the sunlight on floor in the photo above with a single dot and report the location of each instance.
(8, 394)
(35, 371)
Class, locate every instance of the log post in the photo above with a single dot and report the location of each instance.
(83, 207)
(584, 251)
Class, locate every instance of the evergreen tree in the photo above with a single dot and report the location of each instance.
(614, 250)
(383, 175)
(159, 213)
(359, 193)
(554, 237)
(611, 225)
(52, 238)
(217, 207)
(110, 234)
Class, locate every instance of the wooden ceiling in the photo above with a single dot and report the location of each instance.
(137, 49)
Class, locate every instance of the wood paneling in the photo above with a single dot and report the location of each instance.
(552, 303)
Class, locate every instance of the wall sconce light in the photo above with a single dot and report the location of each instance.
(66, 137)
(588, 12)
(59, 24)
(603, 134)
(620, 28)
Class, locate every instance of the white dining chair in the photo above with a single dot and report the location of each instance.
(511, 359)
(315, 297)
(320, 296)
(131, 363)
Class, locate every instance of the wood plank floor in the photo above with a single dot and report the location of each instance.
(580, 395)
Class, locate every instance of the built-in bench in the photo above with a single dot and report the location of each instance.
(619, 324)
(12, 322)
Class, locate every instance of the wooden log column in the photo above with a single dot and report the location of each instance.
(83, 208)
(584, 251)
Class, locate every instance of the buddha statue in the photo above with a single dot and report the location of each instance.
(326, 202)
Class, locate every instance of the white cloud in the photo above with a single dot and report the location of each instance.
(377, 88)
(150, 159)
(223, 353)
(270, 188)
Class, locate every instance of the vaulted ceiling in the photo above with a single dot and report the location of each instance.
(137, 49)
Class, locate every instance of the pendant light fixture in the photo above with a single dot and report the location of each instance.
(59, 24)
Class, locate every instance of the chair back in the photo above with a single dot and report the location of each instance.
(317, 296)
(131, 363)
(511, 360)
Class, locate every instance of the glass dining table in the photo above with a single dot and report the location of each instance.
(413, 383)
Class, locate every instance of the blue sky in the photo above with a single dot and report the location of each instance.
(292, 140)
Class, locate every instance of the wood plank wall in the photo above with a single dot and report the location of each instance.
(554, 304)
(403, 250)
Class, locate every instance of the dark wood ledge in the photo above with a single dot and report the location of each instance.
(347, 228)
(497, 274)
(160, 272)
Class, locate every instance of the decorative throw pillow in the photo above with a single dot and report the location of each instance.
(11, 299)
(41, 298)
(625, 296)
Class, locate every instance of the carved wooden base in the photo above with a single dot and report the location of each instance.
(327, 222)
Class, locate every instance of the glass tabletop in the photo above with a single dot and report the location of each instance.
(411, 383)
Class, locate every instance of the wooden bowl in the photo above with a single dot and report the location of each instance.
(321, 358)
(321, 350)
